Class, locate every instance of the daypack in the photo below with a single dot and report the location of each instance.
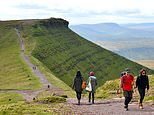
(124, 81)
(84, 84)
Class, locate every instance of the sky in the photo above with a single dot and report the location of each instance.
(80, 11)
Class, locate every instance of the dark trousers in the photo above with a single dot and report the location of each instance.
(78, 95)
(90, 97)
(128, 97)
(142, 94)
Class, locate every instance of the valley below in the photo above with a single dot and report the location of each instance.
(148, 63)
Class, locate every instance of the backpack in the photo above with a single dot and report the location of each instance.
(124, 81)
(84, 84)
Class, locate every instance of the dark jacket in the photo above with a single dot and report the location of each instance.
(142, 82)
(77, 84)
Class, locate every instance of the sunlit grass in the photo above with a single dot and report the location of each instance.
(109, 90)
(14, 104)
(14, 73)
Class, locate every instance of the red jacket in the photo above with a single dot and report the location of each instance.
(126, 82)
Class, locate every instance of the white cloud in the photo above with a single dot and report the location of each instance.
(80, 11)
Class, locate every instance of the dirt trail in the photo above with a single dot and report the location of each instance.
(107, 107)
(30, 94)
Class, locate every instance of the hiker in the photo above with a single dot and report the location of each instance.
(92, 79)
(126, 83)
(77, 85)
(142, 83)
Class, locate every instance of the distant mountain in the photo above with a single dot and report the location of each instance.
(110, 31)
(120, 37)
(141, 26)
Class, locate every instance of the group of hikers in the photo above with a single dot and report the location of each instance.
(79, 85)
(127, 85)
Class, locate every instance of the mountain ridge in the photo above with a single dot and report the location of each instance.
(64, 52)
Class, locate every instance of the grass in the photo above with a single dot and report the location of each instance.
(14, 73)
(51, 99)
(109, 90)
(34, 109)
(8, 98)
(29, 46)
(52, 78)
(17, 105)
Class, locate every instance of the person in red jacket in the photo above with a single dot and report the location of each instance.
(126, 84)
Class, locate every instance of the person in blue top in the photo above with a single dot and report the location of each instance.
(92, 79)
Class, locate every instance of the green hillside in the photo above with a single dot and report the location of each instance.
(14, 73)
(64, 52)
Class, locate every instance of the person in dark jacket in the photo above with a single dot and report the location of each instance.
(77, 85)
(142, 83)
(92, 79)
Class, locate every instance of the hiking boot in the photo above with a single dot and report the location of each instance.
(78, 102)
(126, 107)
(141, 106)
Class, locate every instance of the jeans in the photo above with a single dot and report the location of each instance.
(128, 97)
(78, 95)
(142, 94)
(90, 97)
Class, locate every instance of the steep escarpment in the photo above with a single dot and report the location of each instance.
(64, 52)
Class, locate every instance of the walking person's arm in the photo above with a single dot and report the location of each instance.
(147, 84)
(73, 86)
(133, 81)
(121, 84)
(137, 82)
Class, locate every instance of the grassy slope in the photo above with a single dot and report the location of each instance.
(64, 52)
(14, 104)
(29, 46)
(14, 73)
(109, 89)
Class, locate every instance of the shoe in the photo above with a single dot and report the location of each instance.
(126, 107)
(141, 106)
(78, 102)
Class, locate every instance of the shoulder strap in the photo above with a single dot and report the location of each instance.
(124, 80)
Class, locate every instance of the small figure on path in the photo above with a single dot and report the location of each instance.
(126, 84)
(48, 86)
(142, 83)
(34, 67)
(93, 81)
(77, 85)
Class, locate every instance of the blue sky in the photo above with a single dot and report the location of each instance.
(80, 11)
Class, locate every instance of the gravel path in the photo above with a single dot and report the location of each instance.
(107, 107)
(30, 94)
